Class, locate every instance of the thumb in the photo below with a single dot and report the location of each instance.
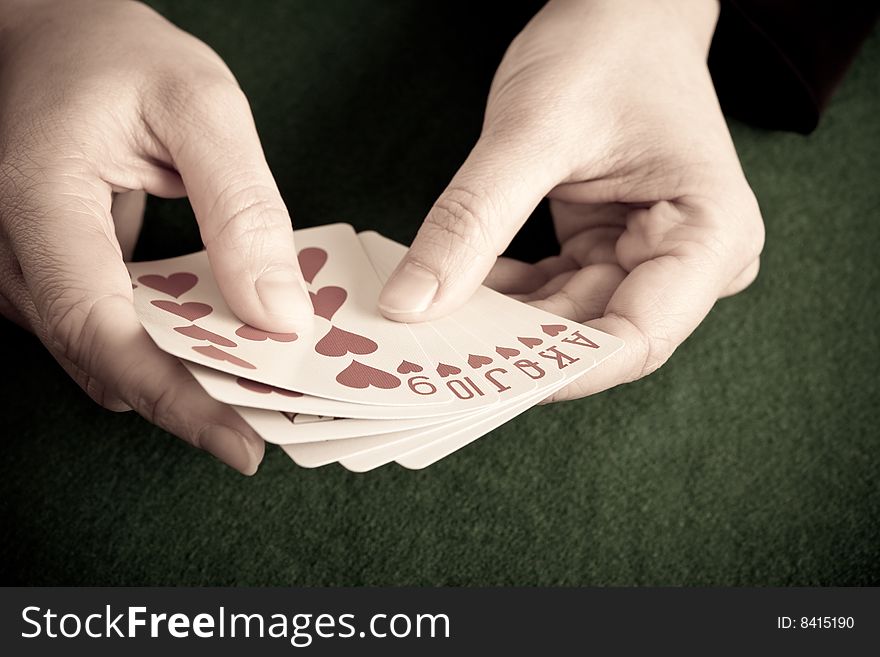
(469, 226)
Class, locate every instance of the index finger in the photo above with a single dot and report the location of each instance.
(245, 225)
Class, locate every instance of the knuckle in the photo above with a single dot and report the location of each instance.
(752, 232)
(651, 350)
(459, 219)
(217, 92)
(164, 406)
(100, 394)
(657, 351)
(250, 220)
(744, 279)
(159, 408)
(193, 101)
(756, 269)
(73, 330)
(522, 115)
(199, 91)
(752, 273)
(75, 322)
(574, 308)
(756, 239)
(64, 319)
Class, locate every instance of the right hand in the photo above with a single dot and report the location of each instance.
(100, 102)
(607, 108)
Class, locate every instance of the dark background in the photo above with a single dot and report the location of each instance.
(750, 458)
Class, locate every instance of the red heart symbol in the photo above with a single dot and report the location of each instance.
(191, 310)
(213, 352)
(338, 343)
(255, 334)
(198, 333)
(507, 352)
(477, 361)
(531, 342)
(311, 260)
(445, 370)
(553, 329)
(360, 376)
(173, 285)
(406, 367)
(328, 300)
(256, 386)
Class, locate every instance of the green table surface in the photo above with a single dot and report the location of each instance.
(750, 458)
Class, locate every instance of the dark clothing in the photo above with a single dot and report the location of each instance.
(776, 63)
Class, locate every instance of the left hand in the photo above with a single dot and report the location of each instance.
(101, 101)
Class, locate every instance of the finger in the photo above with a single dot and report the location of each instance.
(582, 295)
(160, 388)
(653, 310)
(510, 276)
(244, 223)
(128, 217)
(550, 287)
(588, 233)
(570, 218)
(16, 304)
(744, 279)
(557, 271)
(470, 224)
(593, 246)
(555, 266)
(81, 292)
(680, 259)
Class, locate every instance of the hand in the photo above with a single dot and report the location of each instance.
(100, 102)
(607, 107)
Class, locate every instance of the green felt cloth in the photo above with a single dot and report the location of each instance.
(750, 458)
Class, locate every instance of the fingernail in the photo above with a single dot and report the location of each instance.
(282, 295)
(411, 290)
(230, 447)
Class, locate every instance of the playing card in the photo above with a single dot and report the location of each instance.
(562, 343)
(446, 364)
(241, 391)
(470, 331)
(522, 339)
(290, 428)
(351, 354)
(339, 391)
(368, 452)
(315, 454)
(416, 449)
(426, 451)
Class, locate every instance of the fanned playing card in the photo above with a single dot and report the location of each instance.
(241, 391)
(352, 353)
(357, 388)
(553, 349)
(292, 428)
(511, 330)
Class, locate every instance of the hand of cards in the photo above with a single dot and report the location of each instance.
(356, 388)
